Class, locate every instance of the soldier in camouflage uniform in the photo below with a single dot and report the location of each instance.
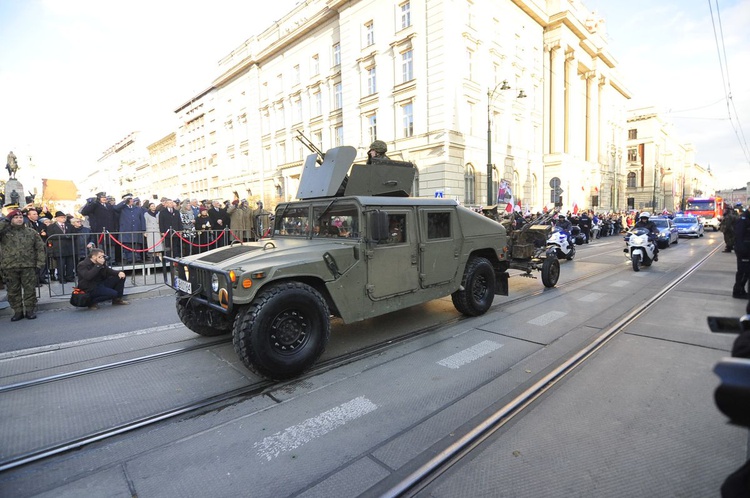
(22, 254)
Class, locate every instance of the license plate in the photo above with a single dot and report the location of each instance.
(183, 285)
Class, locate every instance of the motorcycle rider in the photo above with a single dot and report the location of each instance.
(644, 222)
(566, 226)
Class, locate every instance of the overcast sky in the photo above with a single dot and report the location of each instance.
(76, 76)
(668, 58)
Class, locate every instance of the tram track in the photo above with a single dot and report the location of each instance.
(422, 477)
(232, 396)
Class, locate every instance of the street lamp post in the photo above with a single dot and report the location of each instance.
(503, 85)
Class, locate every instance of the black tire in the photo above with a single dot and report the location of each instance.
(636, 262)
(201, 319)
(550, 272)
(283, 331)
(477, 290)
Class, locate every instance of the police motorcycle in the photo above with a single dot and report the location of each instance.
(561, 242)
(640, 247)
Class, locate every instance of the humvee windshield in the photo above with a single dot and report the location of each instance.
(327, 220)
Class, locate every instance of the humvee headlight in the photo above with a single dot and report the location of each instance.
(187, 272)
(214, 282)
(232, 276)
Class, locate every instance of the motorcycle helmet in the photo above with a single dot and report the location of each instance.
(645, 214)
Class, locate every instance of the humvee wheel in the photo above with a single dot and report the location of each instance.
(201, 319)
(283, 331)
(550, 271)
(477, 290)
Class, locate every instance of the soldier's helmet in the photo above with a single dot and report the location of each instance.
(379, 146)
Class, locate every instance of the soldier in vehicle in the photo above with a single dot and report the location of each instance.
(377, 151)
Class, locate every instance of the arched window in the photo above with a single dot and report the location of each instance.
(534, 197)
(631, 180)
(470, 182)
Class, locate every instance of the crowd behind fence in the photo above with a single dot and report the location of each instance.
(143, 260)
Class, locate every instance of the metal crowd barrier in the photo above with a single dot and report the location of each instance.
(129, 252)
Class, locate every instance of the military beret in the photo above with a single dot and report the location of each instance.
(13, 213)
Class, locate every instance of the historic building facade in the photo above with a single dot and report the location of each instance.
(433, 80)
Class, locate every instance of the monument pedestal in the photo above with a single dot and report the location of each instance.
(14, 193)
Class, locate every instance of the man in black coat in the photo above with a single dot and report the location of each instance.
(741, 248)
(169, 219)
(99, 281)
(102, 215)
(60, 239)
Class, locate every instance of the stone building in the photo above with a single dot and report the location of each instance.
(433, 80)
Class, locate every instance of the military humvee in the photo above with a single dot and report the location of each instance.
(354, 247)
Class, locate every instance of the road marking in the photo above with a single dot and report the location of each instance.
(468, 355)
(547, 318)
(619, 283)
(297, 435)
(589, 298)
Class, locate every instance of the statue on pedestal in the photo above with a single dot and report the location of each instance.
(11, 165)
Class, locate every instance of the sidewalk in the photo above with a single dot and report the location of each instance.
(51, 297)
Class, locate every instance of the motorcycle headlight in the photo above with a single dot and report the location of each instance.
(215, 282)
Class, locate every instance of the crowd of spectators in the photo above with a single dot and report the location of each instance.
(134, 231)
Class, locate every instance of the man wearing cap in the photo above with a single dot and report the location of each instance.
(60, 240)
(377, 151)
(22, 254)
(101, 214)
(132, 227)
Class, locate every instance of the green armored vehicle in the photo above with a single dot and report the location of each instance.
(355, 246)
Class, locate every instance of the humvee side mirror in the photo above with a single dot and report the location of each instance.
(377, 225)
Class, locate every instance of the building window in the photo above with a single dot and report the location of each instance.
(470, 180)
(407, 113)
(281, 149)
(317, 139)
(469, 64)
(338, 134)
(315, 65)
(405, 15)
(633, 155)
(372, 86)
(317, 104)
(369, 34)
(632, 183)
(336, 54)
(407, 66)
(279, 83)
(296, 74)
(372, 127)
(338, 96)
(470, 117)
(633, 134)
(298, 111)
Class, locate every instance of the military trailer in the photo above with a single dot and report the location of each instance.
(354, 246)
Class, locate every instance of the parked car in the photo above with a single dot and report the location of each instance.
(688, 226)
(668, 233)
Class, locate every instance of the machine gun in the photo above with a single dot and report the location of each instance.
(308, 143)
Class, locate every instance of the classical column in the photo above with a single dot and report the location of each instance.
(571, 76)
(557, 99)
(592, 117)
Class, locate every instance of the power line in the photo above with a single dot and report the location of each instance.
(723, 63)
